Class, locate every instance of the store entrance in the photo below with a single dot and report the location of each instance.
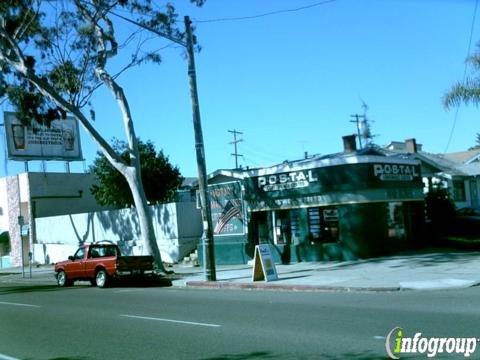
(259, 230)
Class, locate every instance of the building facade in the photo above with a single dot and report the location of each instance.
(59, 212)
(354, 204)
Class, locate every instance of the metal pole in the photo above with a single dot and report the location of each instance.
(207, 235)
(357, 122)
(20, 224)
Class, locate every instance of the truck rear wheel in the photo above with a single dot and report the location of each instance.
(101, 279)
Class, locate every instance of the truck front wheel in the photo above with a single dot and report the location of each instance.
(62, 279)
(101, 279)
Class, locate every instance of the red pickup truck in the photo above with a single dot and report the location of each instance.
(100, 263)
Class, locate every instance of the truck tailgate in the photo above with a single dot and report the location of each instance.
(135, 263)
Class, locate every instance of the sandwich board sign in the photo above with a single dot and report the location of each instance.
(263, 264)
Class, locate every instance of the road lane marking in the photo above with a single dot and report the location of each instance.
(170, 320)
(5, 357)
(18, 304)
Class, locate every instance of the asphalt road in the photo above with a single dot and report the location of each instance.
(83, 322)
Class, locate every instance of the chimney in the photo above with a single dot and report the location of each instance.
(411, 146)
(349, 143)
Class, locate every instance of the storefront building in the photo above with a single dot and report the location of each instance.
(355, 204)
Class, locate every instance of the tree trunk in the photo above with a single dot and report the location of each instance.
(144, 216)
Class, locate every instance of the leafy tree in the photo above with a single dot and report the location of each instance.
(477, 142)
(55, 54)
(440, 209)
(160, 178)
(467, 91)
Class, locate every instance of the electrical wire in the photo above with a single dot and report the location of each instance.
(318, 3)
(455, 117)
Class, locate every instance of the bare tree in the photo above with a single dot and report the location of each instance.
(55, 54)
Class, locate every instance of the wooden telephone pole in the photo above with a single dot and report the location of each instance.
(235, 142)
(207, 237)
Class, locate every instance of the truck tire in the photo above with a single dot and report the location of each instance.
(101, 278)
(62, 279)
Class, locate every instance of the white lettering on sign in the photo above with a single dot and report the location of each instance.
(292, 180)
(395, 172)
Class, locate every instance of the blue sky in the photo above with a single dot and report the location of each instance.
(290, 81)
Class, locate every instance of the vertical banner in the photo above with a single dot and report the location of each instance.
(227, 209)
(59, 141)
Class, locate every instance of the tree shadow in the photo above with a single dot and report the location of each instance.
(66, 358)
(165, 221)
(264, 355)
(413, 259)
(20, 289)
(123, 223)
(83, 238)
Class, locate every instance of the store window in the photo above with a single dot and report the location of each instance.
(459, 191)
(396, 220)
(323, 225)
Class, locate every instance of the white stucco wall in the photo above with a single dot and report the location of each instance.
(177, 227)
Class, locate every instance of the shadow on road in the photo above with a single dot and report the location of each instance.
(67, 358)
(17, 289)
(263, 355)
(32, 288)
(159, 282)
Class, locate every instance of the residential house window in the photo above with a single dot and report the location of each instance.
(459, 191)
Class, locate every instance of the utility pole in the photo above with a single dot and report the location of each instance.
(357, 122)
(207, 237)
(235, 142)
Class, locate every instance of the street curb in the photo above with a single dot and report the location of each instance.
(283, 287)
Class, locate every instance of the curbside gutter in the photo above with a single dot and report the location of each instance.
(284, 287)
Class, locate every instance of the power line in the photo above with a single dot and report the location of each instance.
(455, 117)
(318, 3)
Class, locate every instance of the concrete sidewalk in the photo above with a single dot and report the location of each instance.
(419, 271)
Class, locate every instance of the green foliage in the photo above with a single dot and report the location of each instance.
(65, 43)
(439, 208)
(477, 142)
(160, 179)
(468, 91)
(4, 243)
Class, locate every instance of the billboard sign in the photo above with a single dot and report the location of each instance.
(60, 141)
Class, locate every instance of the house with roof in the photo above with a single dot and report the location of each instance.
(458, 171)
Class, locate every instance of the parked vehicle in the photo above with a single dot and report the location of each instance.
(101, 263)
(467, 222)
